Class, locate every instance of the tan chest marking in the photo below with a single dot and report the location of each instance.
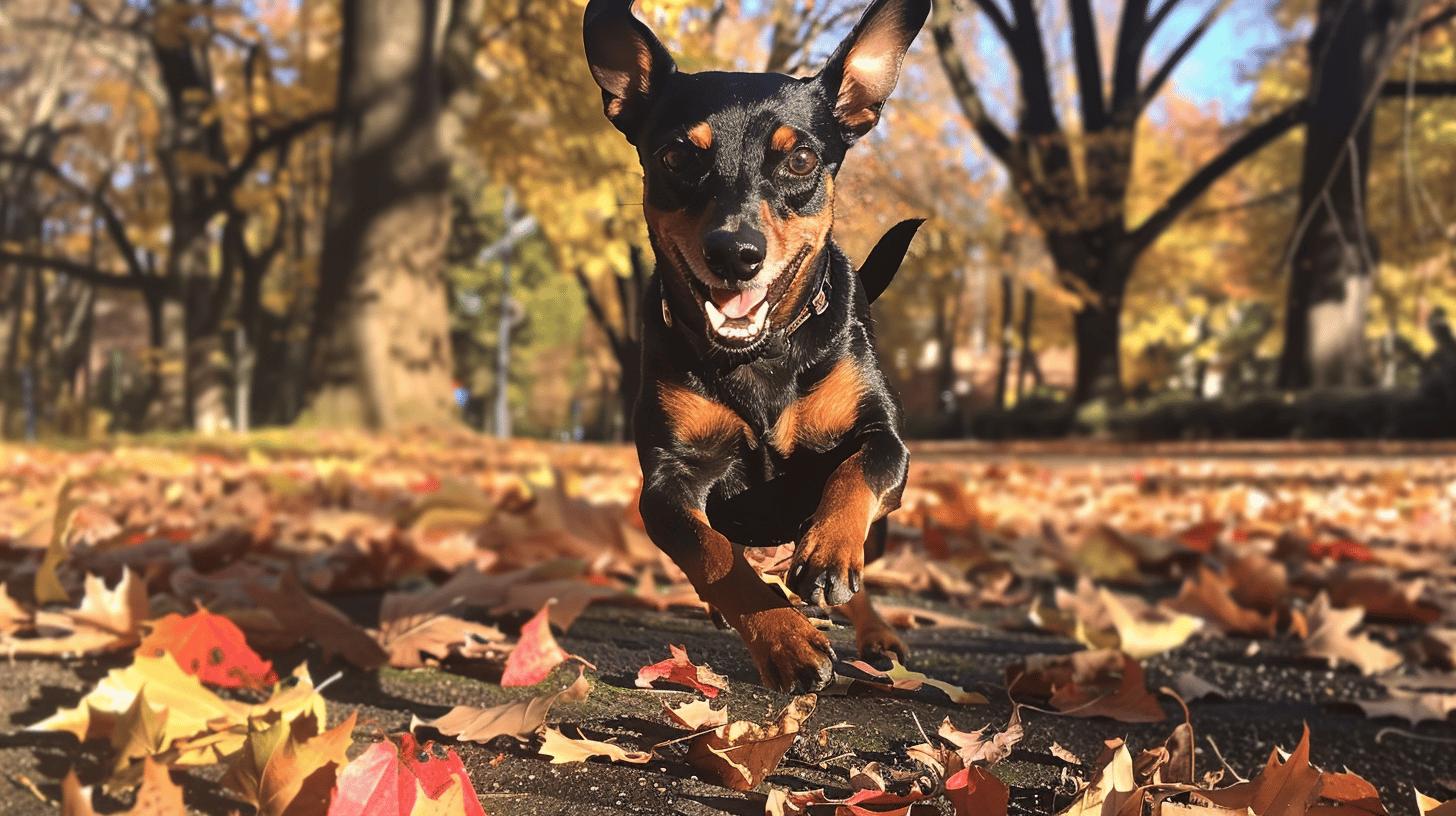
(824, 414)
(694, 419)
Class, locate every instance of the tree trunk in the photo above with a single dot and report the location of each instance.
(1333, 263)
(1003, 359)
(380, 347)
(1026, 365)
(1098, 332)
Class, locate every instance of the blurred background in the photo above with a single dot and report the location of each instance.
(1148, 219)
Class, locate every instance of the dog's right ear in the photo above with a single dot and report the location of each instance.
(626, 60)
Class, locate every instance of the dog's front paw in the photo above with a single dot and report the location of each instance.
(790, 653)
(879, 644)
(828, 568)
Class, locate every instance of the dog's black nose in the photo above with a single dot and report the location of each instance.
(735, 256)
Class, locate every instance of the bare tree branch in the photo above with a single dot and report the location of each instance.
(1241, 148)
(1133, 32)
(115, 229)
(1089, 65)
(1399, 88)
(79, 271)
(967, 95)
(1160, 77)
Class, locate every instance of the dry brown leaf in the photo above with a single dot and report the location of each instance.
(415, 635)
(975, 747)
(1283, 788)
(1111, 788)
(106, 620)
(913, 617)
(303, 617)
(1332, 638)
(1412, 706)
(696, 715)
(900, 680)
(563, 749)
(1209, 595)
(1102, 683)
(289, 767)
(741, 754)
(1431, 807)
(1382, 595)
(1191, 687)
(1152, 633)
(520, 719)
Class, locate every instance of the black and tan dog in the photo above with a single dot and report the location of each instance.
(764, 417)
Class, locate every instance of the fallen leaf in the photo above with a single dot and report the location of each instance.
(1332, 638)
(679, 670)
(520, 719)
(1209, 595)
(1152, 634)
(975, 747)
(158, 794)
(415, 635)
(536, 653)
(913, 617)
(975, 791)
(288, 767)
(210, 647)
(1111, 787)
(1411, 706)
(303, 617)
(199, 727)
(1191, 687)
(1431, 807)
(106, 620)
(696, 715)
(1283, 788)
(741, 754)
(408, 779)
(1087, 684)
(901, 679)
(563, 749)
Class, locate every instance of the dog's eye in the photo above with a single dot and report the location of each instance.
(677, 159)
(801, 162)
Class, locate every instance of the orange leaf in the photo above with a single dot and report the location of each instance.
(681, 671)
(209, 647)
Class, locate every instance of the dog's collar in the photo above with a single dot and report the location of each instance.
(816, 305)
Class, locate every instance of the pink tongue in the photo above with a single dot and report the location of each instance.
(737, 304)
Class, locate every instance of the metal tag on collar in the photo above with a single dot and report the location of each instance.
(820, 302)
(666, 314)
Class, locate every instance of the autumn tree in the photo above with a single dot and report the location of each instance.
(1334, 257)
(1073, 177)
(380, 342)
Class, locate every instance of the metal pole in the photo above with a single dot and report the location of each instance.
(503, 340)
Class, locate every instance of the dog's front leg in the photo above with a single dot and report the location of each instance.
(789, 652)
(828, 566)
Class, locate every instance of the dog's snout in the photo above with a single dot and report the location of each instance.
(735, 255)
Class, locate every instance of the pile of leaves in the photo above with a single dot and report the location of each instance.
(195, 570)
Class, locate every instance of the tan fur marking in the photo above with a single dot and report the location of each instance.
(680, 234)
(848, 506)
(783, 139)
(695, 419)
(786, 238)
(824, 414)
(701, 135)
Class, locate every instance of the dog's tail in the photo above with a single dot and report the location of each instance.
(884, 260)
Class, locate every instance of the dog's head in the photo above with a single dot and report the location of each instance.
(738, 168)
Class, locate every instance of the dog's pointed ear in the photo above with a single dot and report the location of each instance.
(627, 61)
(864, 69)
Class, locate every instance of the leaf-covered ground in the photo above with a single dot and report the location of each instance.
(277, 619)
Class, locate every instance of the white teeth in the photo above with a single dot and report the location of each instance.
(715, 317)
(757, 319)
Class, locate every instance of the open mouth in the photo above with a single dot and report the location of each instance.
(738, 319)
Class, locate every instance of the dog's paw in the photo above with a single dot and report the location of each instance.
(878, 644)
(827, 569)
(790, 653)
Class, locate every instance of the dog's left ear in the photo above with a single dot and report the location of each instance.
(864, 69)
